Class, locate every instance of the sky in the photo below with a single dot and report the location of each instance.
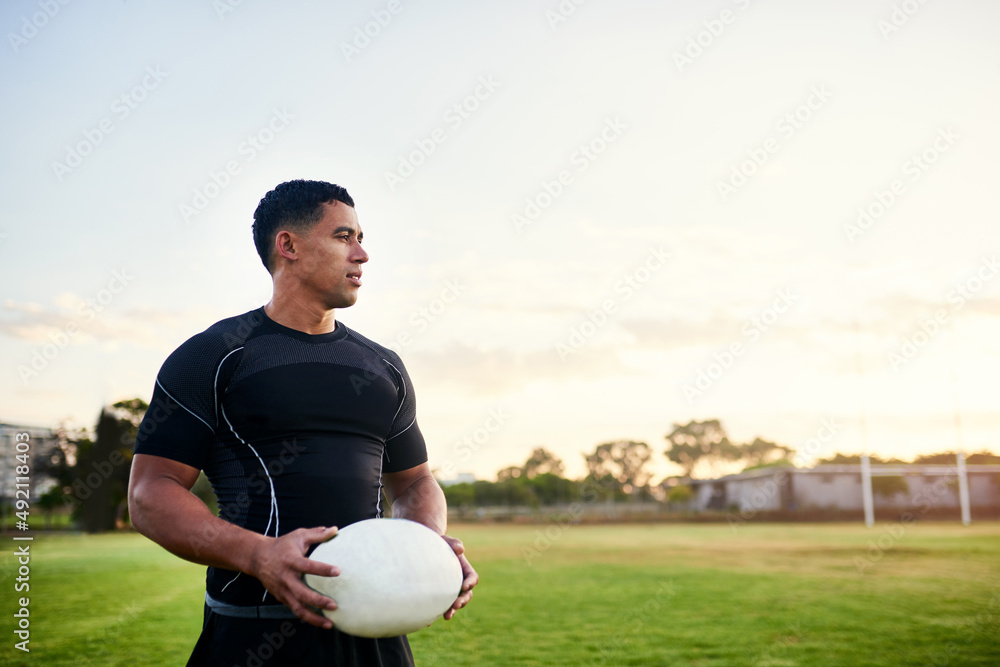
(587, 221)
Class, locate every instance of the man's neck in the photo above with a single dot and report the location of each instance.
(304, 317)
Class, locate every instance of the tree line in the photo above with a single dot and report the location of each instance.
(618, 470)
(91, 471)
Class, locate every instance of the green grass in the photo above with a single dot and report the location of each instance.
(764, 594)
(59, 520)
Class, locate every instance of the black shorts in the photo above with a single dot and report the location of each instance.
(227, 641)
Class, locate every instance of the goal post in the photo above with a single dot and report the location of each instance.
(867, 472)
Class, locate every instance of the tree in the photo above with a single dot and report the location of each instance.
(202, 489)
(948, 458)
(511, 492)
(510, 472)
(49, 502)
(101, 473)
(460, 496)
(58, 462)
(842, 459)
(542, 462)
(888, 486)
(699, 441)
(132, 412)
(941, 458)
(680, 495)
(551, 489)
(621, 462)
(762, 452)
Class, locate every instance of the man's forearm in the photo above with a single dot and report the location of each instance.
(177, 520)
(164, 510)
(423, 501)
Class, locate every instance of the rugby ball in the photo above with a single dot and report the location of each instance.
(396, 577)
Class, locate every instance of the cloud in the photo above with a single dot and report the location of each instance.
(504, 370)
(72, 316)
(674, 333)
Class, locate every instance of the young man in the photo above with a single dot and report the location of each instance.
(299, 423)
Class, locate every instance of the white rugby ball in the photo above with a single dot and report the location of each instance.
(396, 577)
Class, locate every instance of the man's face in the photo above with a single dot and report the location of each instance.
(330, 259)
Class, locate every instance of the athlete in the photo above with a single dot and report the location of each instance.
(299, 423)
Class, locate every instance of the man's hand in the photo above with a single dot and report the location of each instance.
(416, 495)
(470, 578)
(279, 564)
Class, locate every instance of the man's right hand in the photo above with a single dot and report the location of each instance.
(279, 564)
(163, 509)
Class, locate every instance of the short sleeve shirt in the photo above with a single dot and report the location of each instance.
(293, 430)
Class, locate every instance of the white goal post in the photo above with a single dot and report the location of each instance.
(959, 469)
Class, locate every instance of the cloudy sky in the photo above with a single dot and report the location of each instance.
(586, 222)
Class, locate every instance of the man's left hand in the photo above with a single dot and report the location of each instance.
(470, 578)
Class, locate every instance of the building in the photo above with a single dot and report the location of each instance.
(460, 478)
(836, 489)
(15, 449)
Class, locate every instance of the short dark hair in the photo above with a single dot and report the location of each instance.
(297, 204)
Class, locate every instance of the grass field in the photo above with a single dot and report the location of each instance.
(666, 594)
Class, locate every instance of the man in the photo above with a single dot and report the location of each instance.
(299, 423)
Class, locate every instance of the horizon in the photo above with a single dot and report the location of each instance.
(718, 467)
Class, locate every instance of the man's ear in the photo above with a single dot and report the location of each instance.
(285, 245)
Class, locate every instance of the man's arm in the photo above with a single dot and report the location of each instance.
(163, 509)
(416, 495)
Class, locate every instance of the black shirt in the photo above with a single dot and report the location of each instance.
(293, 430)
